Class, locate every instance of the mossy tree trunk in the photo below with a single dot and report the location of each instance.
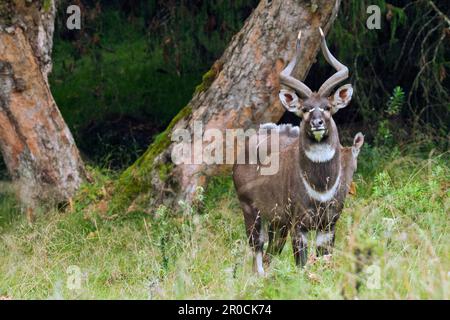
(36, 144)
(240, 91)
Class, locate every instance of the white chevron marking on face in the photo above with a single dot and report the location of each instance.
(321, 152)
(322, 196)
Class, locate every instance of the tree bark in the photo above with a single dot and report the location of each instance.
(36, 144)
(240, 91)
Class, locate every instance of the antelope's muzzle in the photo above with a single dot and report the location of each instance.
(318, 128)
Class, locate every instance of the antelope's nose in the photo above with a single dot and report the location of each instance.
(316, 123)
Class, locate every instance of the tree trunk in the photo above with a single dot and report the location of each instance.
(240, 91)
(36, 144)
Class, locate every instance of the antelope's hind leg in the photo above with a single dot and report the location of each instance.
(277, 239)
(325, 241)
(300, 245)
(254, 228)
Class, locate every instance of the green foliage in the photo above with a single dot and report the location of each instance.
(408, 52)
(145, 61)
(47, 5)
(9, 210)
(396, 102)
(384, 134)
(397, 18)
(207, 80)
(397, 224)
(142, 62)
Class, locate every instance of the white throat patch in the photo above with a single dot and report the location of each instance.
(321, 152)
(322, 196)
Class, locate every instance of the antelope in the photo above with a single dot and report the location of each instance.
(315, 171)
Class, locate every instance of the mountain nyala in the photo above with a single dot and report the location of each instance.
(315, 171)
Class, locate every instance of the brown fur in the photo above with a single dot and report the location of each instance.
(281, 200)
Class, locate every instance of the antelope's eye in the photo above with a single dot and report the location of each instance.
(327, 108)
(305, 109)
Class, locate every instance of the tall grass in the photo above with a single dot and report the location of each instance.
(395, 227)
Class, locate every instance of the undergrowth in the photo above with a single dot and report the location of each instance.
(392, 242)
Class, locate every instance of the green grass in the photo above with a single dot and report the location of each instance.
(397, 224)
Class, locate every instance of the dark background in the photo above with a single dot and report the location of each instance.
(134, 64)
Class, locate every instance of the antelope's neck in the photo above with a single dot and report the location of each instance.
(320, 165)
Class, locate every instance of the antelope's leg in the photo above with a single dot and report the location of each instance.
(300, 245)
(325, 241)
(254, 228)
(277, 238)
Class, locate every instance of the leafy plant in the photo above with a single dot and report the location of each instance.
(384, 135)
(396, 101)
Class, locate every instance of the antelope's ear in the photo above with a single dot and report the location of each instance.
(341, 97)
(290, 101)
(358, 141)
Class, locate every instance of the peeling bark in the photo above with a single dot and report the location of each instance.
(240, 91)
(36, 144)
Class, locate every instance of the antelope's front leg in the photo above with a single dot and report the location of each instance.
(325, 241)
(254, 228)
(300, 245)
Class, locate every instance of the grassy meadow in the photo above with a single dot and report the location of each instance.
(392, 243)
